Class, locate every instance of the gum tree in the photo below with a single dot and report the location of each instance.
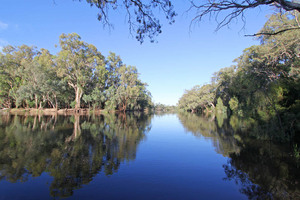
(76, 63)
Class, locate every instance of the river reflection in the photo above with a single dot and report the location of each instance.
(74, 150)
(71, 149)
(262, 169)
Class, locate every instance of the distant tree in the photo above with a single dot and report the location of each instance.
(190, 99)
(129, 90)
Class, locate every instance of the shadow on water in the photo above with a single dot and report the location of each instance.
(71, 149)
(261, 169)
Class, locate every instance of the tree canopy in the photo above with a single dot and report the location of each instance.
(264, 84)
(35, 78)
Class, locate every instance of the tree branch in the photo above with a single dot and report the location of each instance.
(274, 33)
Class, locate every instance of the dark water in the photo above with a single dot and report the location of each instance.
(139, 156)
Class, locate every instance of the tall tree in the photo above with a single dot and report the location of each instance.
(76, 63)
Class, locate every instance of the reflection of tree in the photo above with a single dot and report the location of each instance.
(73, 151)
(223, 139)
(264, 171)
(76, 128)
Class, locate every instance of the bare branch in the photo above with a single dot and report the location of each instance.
(274, 33)
(225, 11)
(141, 19)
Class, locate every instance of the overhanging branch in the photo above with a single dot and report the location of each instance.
(274, 33)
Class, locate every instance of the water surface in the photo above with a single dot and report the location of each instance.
(139, 156)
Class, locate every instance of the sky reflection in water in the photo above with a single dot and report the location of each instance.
(135, 156)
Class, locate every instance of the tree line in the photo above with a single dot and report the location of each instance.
(77, 76)
(264, 84)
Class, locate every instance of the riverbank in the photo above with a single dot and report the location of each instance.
(51, 111)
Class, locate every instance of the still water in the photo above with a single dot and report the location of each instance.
(137, 156)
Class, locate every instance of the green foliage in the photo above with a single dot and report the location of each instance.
(73, 104)
(76, 63)
(129, 91)
(220, 108)
(234, 104)
(198, 98)
(35, 78)
(264, 85)
(221, 118)
(296, 152)
(164, 108)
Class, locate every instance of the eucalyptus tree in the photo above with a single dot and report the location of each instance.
(198, 98)
(190, 99)
(106, 80)
(283, 48)
(53, 88)
(33, 78)
(264, 84)
(76, 63)
(95, 92)
(15, 62)
(222, 81)
(5, 99)
(129, 90)
(207, 96)
(114, 62)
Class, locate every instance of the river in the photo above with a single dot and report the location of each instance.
(139, 156)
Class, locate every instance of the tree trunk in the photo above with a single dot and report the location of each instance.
(34, 122)
(78, 94)
(206, 109)
(56, 105)
(76, 129)
(36, 101)
(124, 107)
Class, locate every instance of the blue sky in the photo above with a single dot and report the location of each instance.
(181, 57)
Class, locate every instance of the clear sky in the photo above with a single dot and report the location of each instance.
(181, 57)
